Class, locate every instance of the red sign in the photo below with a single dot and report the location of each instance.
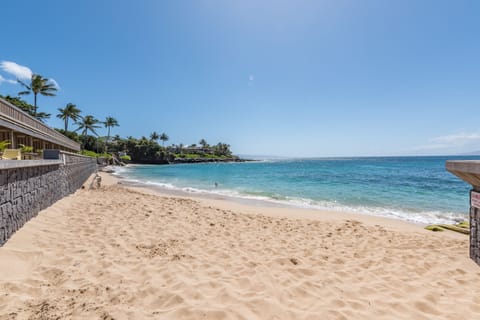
(475, 199)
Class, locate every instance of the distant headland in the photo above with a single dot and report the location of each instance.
(148, 151)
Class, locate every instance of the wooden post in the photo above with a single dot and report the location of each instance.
(13, 144)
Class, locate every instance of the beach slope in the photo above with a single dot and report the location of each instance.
(118, 253)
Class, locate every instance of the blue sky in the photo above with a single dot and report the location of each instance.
(291, 78)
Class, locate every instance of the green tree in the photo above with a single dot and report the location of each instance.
(164, 138)
(69, 112)
(41, 116)
(154, 136)
(222, 149)
(203, 143)
(69, 134)
(38, 85)
(22, 104)
(87, 123)
(110, 122)
(28, 108)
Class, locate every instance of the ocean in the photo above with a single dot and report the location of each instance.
(415, 189)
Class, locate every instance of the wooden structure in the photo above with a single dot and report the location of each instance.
(18, 127)
(469, 171)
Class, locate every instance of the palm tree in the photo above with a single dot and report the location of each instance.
(164, 138)
(88, 123)
(203, 143)
(37, 85)
(69, 112)
(41, 116)
(222, 149)
(110, 122)
(154, 136)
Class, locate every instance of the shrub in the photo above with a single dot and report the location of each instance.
(26, 148)
(89, 153)
(126, 158)
(4, 144)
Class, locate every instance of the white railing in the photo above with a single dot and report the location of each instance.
(23, 119)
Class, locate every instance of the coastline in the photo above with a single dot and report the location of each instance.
(189, 161)
(126, 252)
(273, 209)
(233, 197)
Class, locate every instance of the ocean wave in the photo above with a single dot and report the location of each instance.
(118, 171)
(420, 217)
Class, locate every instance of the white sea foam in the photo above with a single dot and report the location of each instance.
(118, 170)
(421, 217)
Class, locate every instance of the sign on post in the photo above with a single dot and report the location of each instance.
(475, 199)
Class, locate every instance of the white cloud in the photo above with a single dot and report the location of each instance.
(251, 77)
(55, 83)
(21, 72)
(2, 79)
(459, 139)
(452, 143)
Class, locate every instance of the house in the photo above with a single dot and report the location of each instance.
(197, 149)
(18, 127)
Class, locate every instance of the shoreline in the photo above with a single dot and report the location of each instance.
(395, 214)
(189, 161)
(121, 252)
(264, 207)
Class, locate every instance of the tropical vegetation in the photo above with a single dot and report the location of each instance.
(109, 123)
(141, 150)
(164, 138)
(38, 85)
(69, 112)
(88, 123)
(154, 136)
(149, 151)
(28, 108)
(4, 144)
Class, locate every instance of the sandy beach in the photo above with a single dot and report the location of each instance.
(123, 253)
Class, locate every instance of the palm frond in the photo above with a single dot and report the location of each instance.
(24, 84)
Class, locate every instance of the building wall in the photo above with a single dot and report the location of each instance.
(24, 191)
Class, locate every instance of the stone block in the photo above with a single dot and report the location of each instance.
(24, 191)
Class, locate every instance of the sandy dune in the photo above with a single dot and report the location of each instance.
(116, 253)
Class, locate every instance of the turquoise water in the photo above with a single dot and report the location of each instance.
(417, 189)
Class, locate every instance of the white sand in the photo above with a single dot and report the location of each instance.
(127, 254)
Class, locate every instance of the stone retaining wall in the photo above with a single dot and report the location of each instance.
(475, 232)
(469, 171)
(27, 189)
